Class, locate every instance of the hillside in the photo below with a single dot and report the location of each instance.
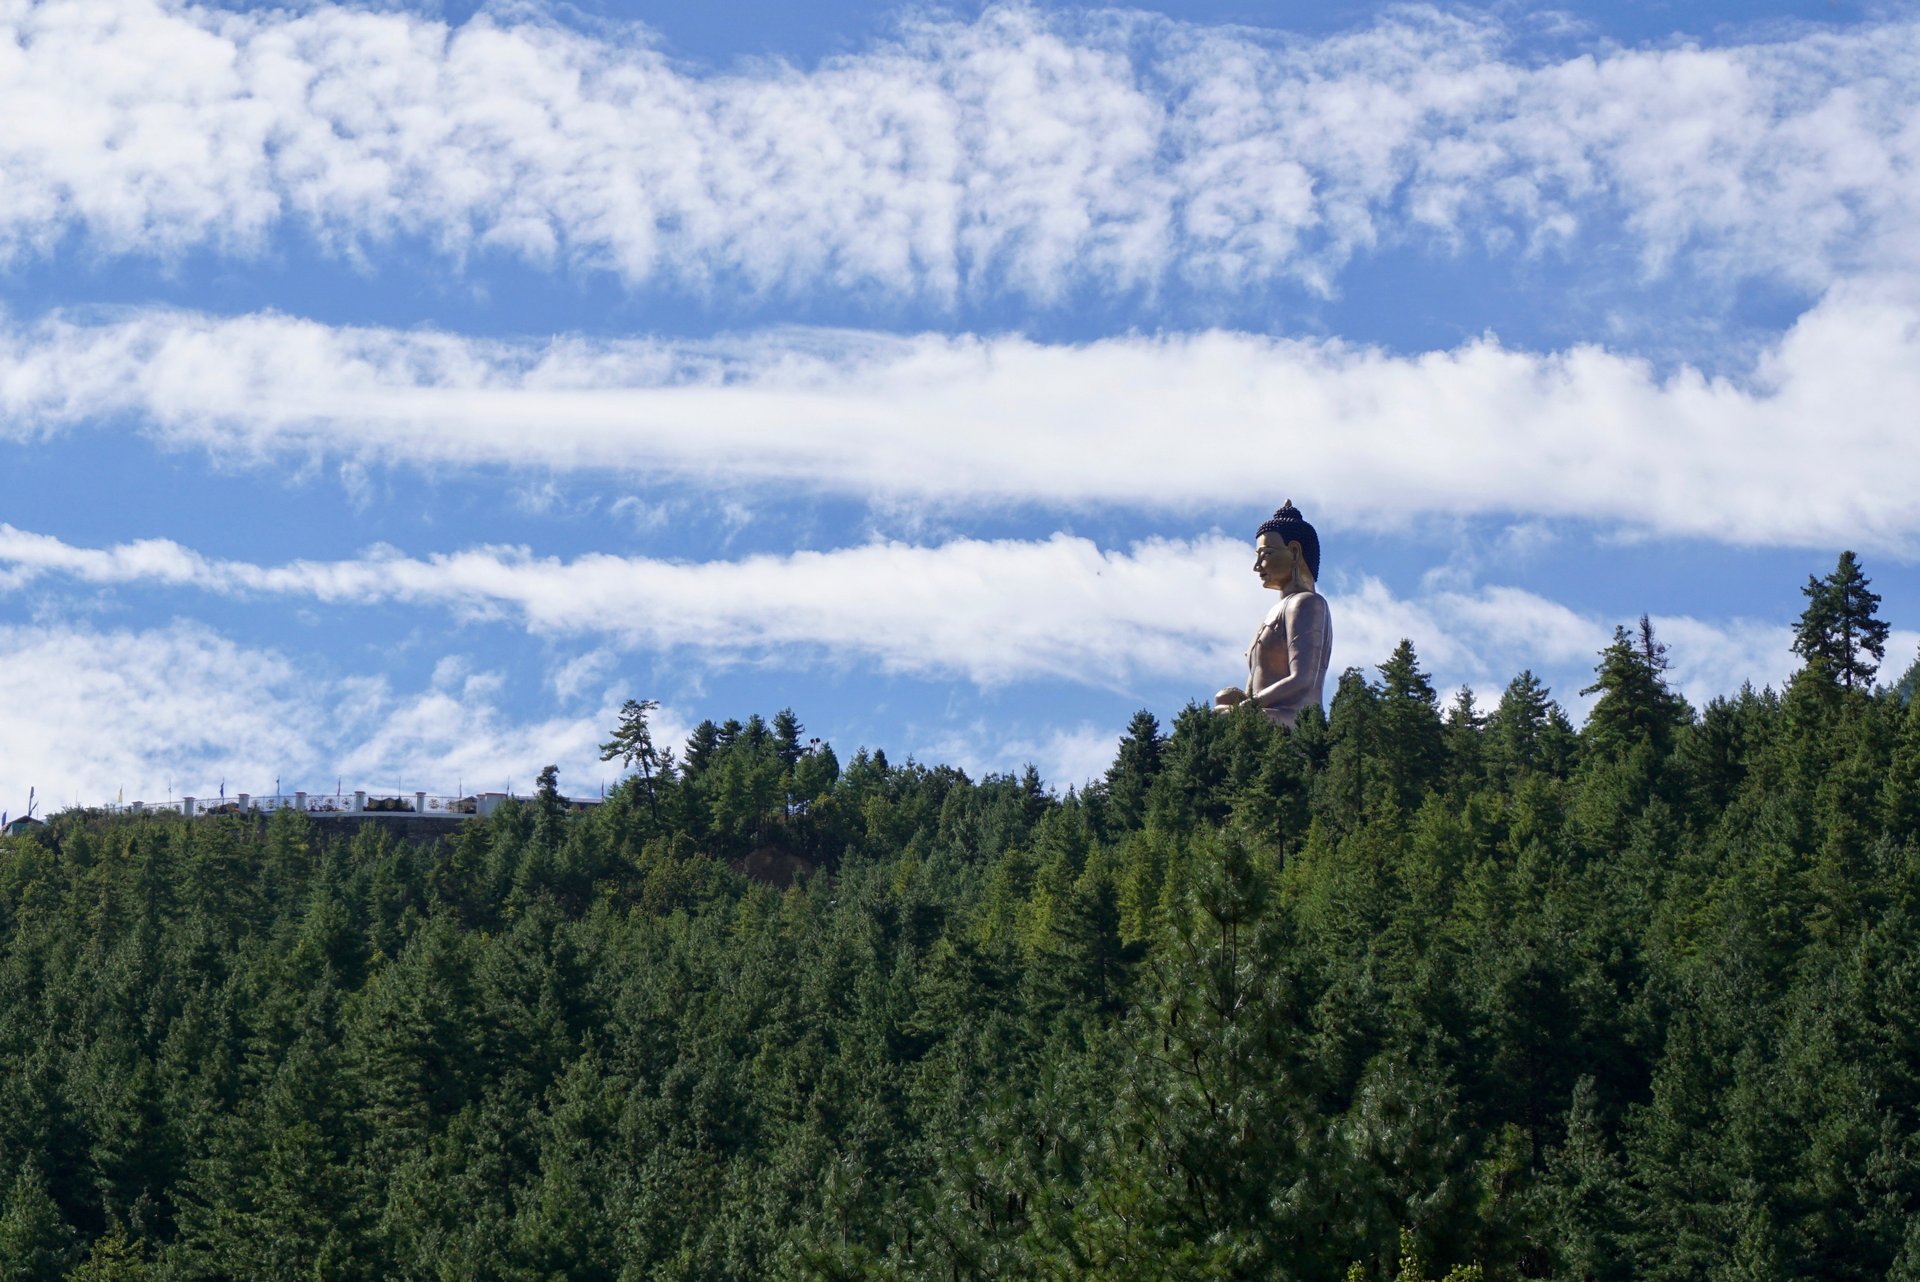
(1640, 999)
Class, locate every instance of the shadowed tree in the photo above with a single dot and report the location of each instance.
(1465, 744)
(34, 1239)
(1839, 632)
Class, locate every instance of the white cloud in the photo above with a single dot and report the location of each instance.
(1069, 757)
(575, 675)
(990, 611)
(1024, 152)
(86, 715)
(987, 611)
(1177, 422)
(85, 712)
(644, 517)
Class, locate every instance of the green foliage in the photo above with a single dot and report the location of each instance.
(632, 745)
(1635, 707)
(1840, 635)
(113, 1257)
(1396, 995)
(35, 1240)
(1410, 744)
(1130, 780)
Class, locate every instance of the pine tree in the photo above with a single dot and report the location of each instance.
(1908, 686)
(786, 737)
(1412, 742)
(1217, 1173)
(113, 1257)
(632, 744)
(1839, 633)
(1587, 1190)
(701, 746)
(1635, 705)
(1715, 750)
(1465, 744)
(1653, 651)
(550, 810)
(1527, 732)
(1086, 951)
(1341, 794)
(1134, 769)
(34, 1238)
(1900, 794)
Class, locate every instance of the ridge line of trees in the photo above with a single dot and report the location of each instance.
(1417, 989)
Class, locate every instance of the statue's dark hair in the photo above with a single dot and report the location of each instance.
(1293, 528)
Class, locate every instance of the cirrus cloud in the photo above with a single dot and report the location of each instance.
(1025, 153)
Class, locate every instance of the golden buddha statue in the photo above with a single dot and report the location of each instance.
(1287, 662)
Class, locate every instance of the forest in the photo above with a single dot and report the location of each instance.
(1420, 990)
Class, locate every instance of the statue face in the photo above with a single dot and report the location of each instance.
(1273, 562)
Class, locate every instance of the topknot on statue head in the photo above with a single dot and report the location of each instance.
(1293, 528)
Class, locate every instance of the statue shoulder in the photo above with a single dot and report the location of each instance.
(1307, 603)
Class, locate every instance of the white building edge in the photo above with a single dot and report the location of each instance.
(422, 805)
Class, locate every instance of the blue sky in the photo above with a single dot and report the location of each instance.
(387, 392)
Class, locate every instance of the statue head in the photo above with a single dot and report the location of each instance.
(1287, 550)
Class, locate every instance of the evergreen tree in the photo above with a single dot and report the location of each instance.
(1135, 767)
(1342, 793)
(550, 810)
(786, 737)
(1465, 749)
(113, 1257)
(1839, 632)
(1653, 651)
(701, 745)
(814, 776)
(1900, 794)
(1635, 706)
(1222, 1174)
(1588, 1193)
(1909, 683)
(35, 1239)
(1718, 750)
(1527, 732)
(1412, 743)
(632, 744)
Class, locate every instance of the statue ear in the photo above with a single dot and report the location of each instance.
(1300, 566)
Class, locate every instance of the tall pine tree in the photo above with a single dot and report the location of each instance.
(1839, 632)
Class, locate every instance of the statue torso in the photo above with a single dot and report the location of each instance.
(1298, 627)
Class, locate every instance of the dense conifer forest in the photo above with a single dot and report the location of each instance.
(1418, 989)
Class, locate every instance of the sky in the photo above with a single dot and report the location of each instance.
(390, 391)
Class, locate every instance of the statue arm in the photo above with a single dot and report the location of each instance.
(1306, 654)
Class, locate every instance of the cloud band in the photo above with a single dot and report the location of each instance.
(1021, 153)
(1176, 423)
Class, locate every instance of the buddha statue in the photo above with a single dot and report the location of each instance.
(1287, 662)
